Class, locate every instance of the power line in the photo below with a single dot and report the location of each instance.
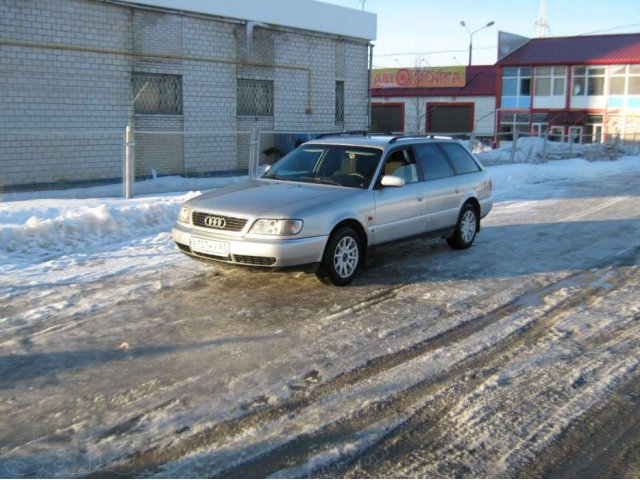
(433, 52)
(612, 28)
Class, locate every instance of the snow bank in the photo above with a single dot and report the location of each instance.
(44, 228)
(36, 228)
(510, 178)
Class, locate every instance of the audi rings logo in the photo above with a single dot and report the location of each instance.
(215, 222)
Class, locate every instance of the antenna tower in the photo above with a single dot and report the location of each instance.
(541, 23)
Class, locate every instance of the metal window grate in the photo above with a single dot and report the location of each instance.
(255, 97)
(157, 93)
(340, 101)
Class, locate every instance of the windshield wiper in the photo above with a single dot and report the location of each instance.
(323, 180)
(277, 177)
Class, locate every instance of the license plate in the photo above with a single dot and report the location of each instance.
(211, 247)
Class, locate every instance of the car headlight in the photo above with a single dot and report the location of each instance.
(272, 226)
(184, 215)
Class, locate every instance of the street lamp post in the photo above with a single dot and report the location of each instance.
(471, 36)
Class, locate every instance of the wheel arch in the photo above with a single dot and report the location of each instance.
(359, 229)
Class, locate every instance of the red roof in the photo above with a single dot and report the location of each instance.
(594, 49)
(480, 81)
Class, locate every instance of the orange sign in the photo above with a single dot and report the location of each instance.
(431, 77)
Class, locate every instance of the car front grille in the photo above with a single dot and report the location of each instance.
(218, 222)
(248, 260)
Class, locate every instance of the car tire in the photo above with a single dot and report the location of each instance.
(342, 257)
(466, 228)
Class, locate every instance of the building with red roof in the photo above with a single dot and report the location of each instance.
(582, 89)
(453, 100)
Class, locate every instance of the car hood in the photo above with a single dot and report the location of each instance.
(279, 199)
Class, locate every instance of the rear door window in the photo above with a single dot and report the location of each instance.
(433, 162)
(462, 161)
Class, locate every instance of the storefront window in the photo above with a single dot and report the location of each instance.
(550, 81)
(516, 87)
(588, 81)
(513, 122)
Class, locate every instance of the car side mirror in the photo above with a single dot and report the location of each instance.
(392, 181)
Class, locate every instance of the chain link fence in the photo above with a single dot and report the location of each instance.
(514, 147)
(36, 160)
(146, 161)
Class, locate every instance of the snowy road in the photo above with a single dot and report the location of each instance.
(134, 360)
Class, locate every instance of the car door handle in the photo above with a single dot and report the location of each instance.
(457, 190)
(420, 198)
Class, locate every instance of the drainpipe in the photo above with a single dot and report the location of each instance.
(369, 87)
(250, 26)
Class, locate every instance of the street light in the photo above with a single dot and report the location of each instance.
(471, 35)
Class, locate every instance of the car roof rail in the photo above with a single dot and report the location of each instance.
(432, 137)
(343, 134)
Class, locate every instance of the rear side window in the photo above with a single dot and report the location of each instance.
(462, 161)
(434, 163)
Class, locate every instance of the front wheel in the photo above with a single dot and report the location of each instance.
(342, 257)
(466, 228)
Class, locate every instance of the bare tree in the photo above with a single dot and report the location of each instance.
(417, 104)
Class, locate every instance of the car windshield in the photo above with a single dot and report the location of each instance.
(340, 165)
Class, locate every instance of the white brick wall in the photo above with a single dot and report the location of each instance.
(88, 95)
(52, 90)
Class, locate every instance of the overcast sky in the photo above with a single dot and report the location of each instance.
(412, 30)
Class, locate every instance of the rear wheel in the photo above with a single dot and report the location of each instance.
(466, 228)
(342, 257)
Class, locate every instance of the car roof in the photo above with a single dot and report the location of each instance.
(376, 140)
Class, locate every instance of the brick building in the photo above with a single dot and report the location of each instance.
(74, 73)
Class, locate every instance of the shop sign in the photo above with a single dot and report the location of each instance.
(431, 77)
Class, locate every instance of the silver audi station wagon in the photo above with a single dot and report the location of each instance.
(329, 201)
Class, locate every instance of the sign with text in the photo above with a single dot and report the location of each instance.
(429, 77)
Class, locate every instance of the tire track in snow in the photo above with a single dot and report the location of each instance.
(460, 432)
(222, 433)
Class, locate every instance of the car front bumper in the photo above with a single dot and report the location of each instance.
(255, 252)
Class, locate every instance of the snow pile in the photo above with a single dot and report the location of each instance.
(508, 179)
(536, 150)
(39, 228)
(54, 227)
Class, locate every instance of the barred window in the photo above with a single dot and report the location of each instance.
(255, 97)
(157, 93)
(340, 101)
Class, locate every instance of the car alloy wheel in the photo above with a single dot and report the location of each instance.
(345, 257)
(466, 228)
(342, 256)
